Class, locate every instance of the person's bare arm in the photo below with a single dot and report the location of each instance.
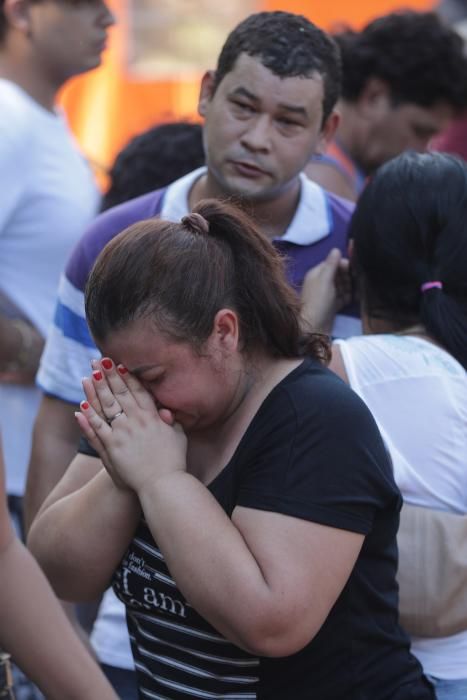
(54, 444)
(35, 630)
(83, 529)
(240, 578)
(55, 440)
(331, 179)
(21, 347)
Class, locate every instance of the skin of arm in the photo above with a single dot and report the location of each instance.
(83, 529)
(239, 579)
(19, 341)
(54, 444)
(35, 630)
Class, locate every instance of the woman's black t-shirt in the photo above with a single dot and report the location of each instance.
(312, 451)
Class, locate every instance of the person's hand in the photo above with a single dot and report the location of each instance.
(136, 441)
(326, 290)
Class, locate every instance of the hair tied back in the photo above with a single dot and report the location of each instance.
(195, 223)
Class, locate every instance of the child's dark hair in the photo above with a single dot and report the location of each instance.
(410, 231)
(181, 274)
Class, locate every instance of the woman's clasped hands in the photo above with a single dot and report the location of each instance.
(137, 441)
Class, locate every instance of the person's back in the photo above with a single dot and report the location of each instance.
(404, 79)
(410, 366)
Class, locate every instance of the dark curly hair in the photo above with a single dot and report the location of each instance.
(154, 159)
(416, 53)
(289, 45)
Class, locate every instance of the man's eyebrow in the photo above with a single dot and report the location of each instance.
(295, 109)
(243, 92)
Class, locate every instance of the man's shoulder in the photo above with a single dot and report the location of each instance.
(105, 227)
(332, 213)
(15, 115)
(314, 194)
(339, 206)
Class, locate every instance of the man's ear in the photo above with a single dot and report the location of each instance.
(327, 132)
(206, 91)
(374, 99)
(17, 14)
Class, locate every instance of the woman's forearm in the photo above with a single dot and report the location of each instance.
(80, 538)
(207, 556)
(35, 630)
(236, 572)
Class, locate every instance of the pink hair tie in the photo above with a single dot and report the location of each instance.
(435, 284)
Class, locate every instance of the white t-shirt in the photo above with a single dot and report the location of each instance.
(48, 197)
(417, 393)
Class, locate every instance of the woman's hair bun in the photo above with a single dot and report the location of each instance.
(195, 223)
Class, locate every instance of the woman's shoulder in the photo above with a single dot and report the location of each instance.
(316, 396)
(398, 356)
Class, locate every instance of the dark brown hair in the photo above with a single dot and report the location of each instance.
(409, 230)
(181, 274)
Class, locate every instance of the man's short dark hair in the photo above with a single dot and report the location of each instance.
(420, 58)
(289, 45)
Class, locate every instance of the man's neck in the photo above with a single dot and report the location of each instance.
(29, 80)
(273, 216)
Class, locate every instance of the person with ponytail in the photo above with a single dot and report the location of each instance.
(409, 257)
(244, 507)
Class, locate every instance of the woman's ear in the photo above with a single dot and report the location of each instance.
(225, 333)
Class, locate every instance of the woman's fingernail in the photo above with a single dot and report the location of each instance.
(107, 364)
(122, 369)
(84, 405)
(97, 375)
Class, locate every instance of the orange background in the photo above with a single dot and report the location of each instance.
(106, 107)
